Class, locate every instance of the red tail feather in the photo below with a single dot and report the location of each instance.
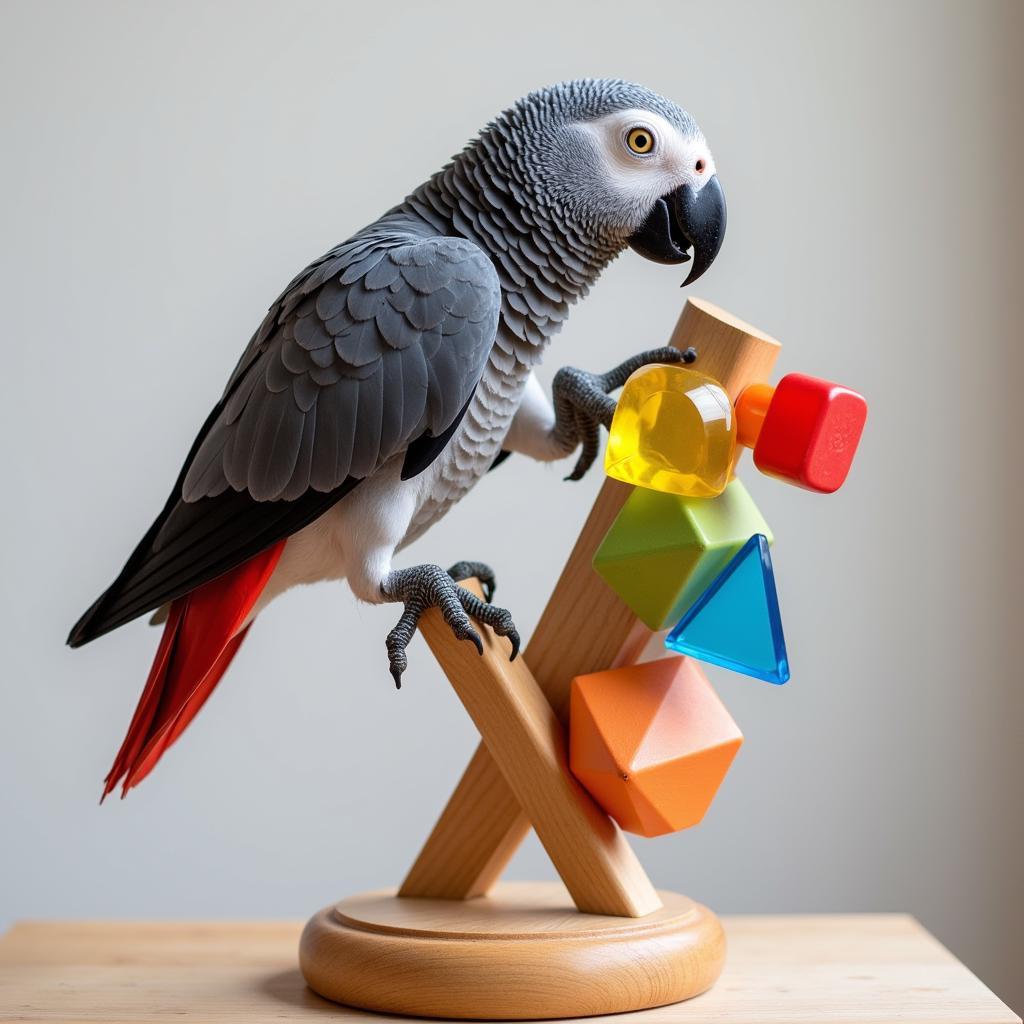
(202, 634)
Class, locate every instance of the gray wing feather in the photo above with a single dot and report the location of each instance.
(382, 340)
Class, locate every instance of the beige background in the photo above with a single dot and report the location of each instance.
(168, 167)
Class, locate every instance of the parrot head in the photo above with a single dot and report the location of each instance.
(623, 165)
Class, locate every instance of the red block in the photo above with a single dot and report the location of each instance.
(810, 432)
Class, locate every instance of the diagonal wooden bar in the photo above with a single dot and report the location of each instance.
(527, 743)
(585, 628)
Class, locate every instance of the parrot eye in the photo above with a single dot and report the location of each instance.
(640, 141)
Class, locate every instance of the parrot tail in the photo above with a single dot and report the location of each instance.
(204, 629)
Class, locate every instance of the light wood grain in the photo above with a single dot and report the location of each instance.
(522, 953)
(584, 628)
(845, 969)
(527, 742)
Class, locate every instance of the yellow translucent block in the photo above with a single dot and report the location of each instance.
(673, 431)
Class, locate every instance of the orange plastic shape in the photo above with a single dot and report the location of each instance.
(651, 743)
(751, 409)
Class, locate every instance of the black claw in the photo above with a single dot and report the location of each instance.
(473, 635)
(514, 638)
(397, 661)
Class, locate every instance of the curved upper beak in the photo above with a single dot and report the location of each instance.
(681, 219)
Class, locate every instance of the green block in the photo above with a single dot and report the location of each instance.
(663, 550)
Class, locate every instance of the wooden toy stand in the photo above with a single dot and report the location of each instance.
(454, 943)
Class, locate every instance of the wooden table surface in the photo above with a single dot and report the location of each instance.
(861, 969)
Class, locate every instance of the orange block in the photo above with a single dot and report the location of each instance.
(651, 743)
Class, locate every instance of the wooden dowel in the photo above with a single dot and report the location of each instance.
(526, 742)
(584, 628)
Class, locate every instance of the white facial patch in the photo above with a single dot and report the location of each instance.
(674, 160)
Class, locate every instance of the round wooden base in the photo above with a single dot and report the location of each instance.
(524, 952)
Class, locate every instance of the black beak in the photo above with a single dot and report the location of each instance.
(682, 219)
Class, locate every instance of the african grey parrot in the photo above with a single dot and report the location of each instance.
(392, 373)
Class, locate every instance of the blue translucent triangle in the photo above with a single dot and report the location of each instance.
(735, 623)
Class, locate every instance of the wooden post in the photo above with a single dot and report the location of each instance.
(526, 741)
(584, 628)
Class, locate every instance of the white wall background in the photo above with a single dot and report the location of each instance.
(166, 169)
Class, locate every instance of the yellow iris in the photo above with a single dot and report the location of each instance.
(640, 140)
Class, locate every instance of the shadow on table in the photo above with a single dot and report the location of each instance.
(290, 987)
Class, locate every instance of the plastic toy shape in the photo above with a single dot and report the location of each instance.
(651, 743)
(674, 430)
(663, 550)
(735, 623)
(806, 431)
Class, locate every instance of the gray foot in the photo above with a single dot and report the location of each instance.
(582, 402)
(429, 586)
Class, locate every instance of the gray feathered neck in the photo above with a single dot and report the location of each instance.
(505, 193)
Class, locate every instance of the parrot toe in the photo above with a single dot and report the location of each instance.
(484, 573)
(499, 619)
(583, 404)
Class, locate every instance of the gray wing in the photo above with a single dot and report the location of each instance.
(379, 343)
